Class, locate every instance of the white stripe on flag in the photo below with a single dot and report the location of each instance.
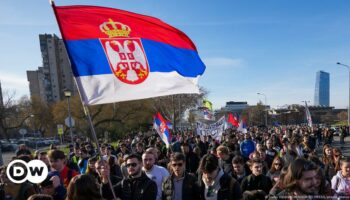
(100, 89)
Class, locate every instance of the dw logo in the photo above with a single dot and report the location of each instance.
(19, 171)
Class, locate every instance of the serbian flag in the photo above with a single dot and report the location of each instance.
(207, 115)
(160, 125)
(118, 55)
(169, 124)
(233, 120)
(242, 127)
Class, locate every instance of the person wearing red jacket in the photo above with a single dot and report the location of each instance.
(58, 167)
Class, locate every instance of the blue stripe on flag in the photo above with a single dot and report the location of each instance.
(88, 58)
(157, 121)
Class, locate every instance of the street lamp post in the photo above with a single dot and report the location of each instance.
(33, 126)
(68, 94)
(348, 67)
(265, 107)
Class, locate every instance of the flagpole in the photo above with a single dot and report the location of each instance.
(87, 113)
(86, 109)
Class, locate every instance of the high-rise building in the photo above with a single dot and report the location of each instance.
(49, 81)
(322, 89)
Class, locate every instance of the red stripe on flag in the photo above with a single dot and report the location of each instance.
(84, 22)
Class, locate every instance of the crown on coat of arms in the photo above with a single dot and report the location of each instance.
(115, 29)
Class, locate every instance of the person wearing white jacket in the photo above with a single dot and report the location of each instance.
(341, 181)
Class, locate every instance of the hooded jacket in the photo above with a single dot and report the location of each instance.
(340, 185)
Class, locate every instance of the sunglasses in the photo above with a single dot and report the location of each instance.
(131, 165)
(177, 164)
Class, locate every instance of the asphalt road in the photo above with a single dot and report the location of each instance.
(7, 156)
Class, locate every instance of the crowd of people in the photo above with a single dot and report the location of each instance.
(291, 162)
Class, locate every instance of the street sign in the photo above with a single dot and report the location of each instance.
(66, 121)
(23, 131)
(60, 129)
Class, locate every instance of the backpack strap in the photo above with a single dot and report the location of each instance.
(337, 183)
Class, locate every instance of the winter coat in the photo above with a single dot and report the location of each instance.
(340, 185)
(229, 189)
(140, 188)
(190, 189)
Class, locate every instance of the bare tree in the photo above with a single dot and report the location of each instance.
(11, 116)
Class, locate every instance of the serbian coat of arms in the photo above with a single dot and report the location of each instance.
(126, 55)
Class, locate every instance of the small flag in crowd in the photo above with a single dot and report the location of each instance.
(207, 114)
(308, 115)
(160, 125)
(118, 55)
(169, 124)
(242, 126)
(233, 119)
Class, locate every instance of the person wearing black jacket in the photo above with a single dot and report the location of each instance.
(214, 183)
(201, 145)
(257, 180)
(180, 185)
(137, 186)
(103, 171)
(192, 160)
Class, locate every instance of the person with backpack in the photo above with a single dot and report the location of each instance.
(59, 168)
(341, 181)
(214, 183)
(83, 161)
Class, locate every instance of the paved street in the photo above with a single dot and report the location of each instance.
(7, 156)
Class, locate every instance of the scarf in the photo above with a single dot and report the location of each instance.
(211, 190)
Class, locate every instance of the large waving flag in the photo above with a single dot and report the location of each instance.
(118, 55)
(160, 125)
(233, 120)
